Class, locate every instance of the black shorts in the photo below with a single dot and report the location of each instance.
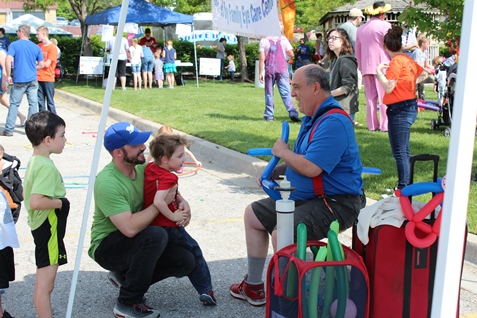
(313, 213)
(49, 246)
(7, 267)
(121, 69)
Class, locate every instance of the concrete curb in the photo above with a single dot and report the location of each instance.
(216, 154)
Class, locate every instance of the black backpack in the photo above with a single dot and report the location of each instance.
(10, 180)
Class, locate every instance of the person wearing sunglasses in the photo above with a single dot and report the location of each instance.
(343, 71)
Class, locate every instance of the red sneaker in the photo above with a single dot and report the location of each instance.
(254, 294)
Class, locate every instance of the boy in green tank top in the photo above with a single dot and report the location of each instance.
(46, 204)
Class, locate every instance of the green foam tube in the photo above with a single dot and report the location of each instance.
(315, 283)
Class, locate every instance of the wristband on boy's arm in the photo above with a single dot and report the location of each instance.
(380, 75)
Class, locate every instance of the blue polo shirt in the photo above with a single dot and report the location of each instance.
(333, 148)
(25, 55)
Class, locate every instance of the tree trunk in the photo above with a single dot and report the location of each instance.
(87, 47)
(243, 59)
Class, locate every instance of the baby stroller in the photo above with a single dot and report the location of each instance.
(445, 110)
(58, 72)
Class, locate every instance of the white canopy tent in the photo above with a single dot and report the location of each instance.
(34, 23)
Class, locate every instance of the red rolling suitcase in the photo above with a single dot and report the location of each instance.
(401, 276)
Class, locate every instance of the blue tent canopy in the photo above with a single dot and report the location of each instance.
(142, 13)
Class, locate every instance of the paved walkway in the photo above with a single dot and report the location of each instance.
(218, 194)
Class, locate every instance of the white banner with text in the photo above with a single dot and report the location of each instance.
(252, 18)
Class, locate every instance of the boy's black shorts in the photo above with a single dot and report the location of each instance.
(49, 246)
(7, 267)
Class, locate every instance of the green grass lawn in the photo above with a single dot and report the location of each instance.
(230, 114)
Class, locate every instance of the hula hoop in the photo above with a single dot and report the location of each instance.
(184, 173)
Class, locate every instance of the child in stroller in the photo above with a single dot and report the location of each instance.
(446, 75)
(58, 68)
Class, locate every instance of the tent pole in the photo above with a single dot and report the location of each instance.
(97, 151)
(195, 58)
(86, 27)
(459, 166)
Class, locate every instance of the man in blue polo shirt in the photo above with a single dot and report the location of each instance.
(325, 168)
(28, 58)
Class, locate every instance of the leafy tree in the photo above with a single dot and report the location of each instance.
(309, 12)
(447, 28)
(185, 6)
(77, 8)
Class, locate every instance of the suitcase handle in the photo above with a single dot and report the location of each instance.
(424, 157)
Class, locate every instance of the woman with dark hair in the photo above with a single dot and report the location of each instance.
(399, 85)
(343, 70)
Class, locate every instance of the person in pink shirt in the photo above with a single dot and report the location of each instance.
(370, 53)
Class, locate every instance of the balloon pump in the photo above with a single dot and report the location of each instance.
(285, 210)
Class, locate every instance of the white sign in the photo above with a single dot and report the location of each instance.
(107, 32)
(252, 18)
(183, 29)
(91, 65)
(208, 66)
(131, 28)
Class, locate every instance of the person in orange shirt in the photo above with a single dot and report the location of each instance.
(399, 85)
(46, 72)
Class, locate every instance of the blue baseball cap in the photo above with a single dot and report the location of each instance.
(122, 134)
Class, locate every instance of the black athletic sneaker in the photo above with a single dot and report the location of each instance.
(134, 311)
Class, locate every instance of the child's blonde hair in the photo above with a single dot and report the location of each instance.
(422, 40)
(438, 60)
(134, 42)
(165, 130)
(230, 57)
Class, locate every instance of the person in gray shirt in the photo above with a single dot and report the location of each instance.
(351, 26)
(220, 54)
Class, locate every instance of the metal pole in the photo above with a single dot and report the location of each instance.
(97, 151)
(456, 197)
(195, 58)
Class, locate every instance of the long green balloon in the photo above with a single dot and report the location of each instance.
(315, 283)
(301, 254)
(292, 277)
(329, 283)
(335, 226)
(340, 274)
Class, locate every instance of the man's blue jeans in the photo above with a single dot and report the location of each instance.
(16, 95)
(222, 64)
(400, 118)
(200, 276)
(283, 84)
(46, 93)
